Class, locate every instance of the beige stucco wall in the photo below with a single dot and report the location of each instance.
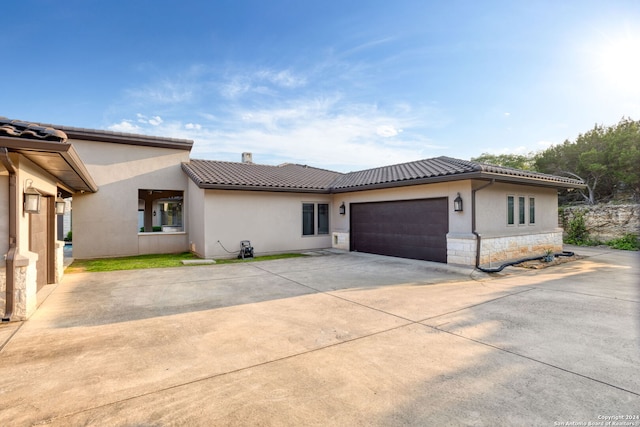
(491, 210)
(110, 216)
(501, 242)
(196, 220)
(272, 221)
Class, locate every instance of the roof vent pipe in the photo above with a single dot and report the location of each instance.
(247, 158)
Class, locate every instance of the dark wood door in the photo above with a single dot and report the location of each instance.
(40, 239)
(415, 229)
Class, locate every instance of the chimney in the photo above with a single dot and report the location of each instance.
(247, 158)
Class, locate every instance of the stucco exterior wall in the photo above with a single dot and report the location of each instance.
(197, 223)
(491, 210)
(502, 242)
(271, 221)
(110, 216)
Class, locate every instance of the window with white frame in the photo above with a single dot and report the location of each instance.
(315, 219)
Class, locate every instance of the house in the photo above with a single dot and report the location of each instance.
(135, 194)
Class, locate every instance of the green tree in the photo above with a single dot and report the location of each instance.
(517, 161)
(605, 158)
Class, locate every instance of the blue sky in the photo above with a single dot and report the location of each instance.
(343, 85)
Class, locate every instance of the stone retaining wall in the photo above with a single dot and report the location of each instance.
(605, 222)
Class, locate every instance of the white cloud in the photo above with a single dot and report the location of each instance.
(387, 131)
(282, 78)
(163, 92)
(324, 132)
(124, 126)
(156, 120)
(265, 82)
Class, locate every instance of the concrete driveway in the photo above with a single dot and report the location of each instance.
(335, 339)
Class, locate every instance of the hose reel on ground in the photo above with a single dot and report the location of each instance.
(246, 250)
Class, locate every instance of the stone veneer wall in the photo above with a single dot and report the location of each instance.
(340, 241)
(461, 249)
(605, 222)
(497, 250)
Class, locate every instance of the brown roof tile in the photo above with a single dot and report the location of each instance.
(286, 177)
(291, 177)
(19, 129)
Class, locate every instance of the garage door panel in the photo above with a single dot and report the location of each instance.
(413, 229)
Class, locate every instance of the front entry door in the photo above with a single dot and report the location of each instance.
(41, 241)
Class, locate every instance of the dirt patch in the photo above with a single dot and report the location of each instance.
(537, 264)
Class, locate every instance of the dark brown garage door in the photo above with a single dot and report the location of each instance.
(415, 229)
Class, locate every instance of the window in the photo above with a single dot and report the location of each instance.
(521, 210)
(160, 210)
(308, 226)
(532, 210)
(309, 219)
(510, 210)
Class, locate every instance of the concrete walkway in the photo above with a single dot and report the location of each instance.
(337, 339)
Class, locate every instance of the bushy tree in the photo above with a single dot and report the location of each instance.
(517, 161)
(607, 159)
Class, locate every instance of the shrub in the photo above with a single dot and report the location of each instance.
(69, 237)
(577, 233)
(628, 242)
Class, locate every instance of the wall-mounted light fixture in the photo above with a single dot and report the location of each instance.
(343, 209)
(60, 205)
(31, 198)
(457, 204)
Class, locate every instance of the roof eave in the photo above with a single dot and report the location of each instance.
(207, 186)
(460, 177)
(126, 138)
(64, 150)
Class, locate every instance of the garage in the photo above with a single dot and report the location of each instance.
(415, 229)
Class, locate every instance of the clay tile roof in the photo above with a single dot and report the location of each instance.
(18, 129)
(292, 177)
(420, 169)
(438, 169)
(285, 177)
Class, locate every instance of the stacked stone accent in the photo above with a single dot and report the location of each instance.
(605, 222)
(461, 249)
(498, 250)
(340, 241)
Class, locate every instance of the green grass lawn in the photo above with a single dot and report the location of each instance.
(153, 261)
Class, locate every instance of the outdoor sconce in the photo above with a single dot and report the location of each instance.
(60, 205)
(457, 204)
(343, 209)
(31, 198)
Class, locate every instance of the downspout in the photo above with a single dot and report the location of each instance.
(13, 233)
(473, 219)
